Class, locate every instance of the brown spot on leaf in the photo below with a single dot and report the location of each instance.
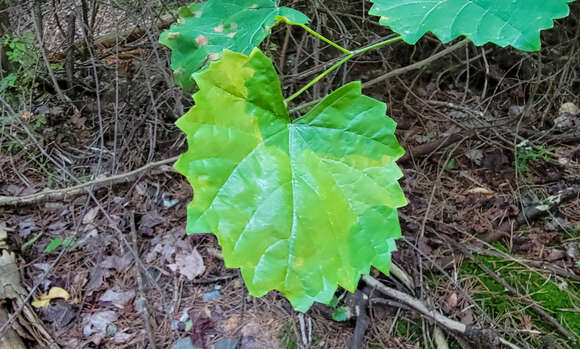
(219, 28)
(231, 35)
(173, 35)
(213, 56)
(202, 40)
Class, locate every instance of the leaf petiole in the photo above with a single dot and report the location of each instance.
(318, 78)
(378, 44)
(339, 63)
(318, 35)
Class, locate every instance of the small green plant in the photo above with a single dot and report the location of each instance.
(304, 205)
(22, 57)
(556, 296)
(58, 242)
(525, 153)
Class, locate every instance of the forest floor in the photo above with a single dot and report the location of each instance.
(491, 234)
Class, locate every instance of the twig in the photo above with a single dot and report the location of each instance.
(528, 263)
(435, 145)
(402, 276)
(215, 279)
(530, 213)
(420, 307)
(415, 66)
(513, 290)
(38, 31)
(141, 301)
(67, 193)
(431, 314)
(305, 330)
(362, 319)
(126, 36)
(395, 72)
(69, 61)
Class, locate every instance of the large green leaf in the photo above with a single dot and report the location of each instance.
(204, 30)
(300, 206)
(505, 22)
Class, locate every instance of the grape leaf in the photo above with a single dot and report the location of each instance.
(505, 22)
(204, 30)
(299, 206)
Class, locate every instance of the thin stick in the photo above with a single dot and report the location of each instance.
(415, 65)
(341, 62)
(513, 290)
(431, 314)
(141, 300)
(67, 193)
(38, 32)
(395, 72)
(419, 306)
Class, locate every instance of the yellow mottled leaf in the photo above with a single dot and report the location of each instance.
(44, 300)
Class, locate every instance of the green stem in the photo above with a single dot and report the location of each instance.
(319, 36)
(378, 44)
(318, 78)
(339, 63)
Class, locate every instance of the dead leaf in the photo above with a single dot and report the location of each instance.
(552, 254)
(203, 329)
(9, 276)
(122, 337)
(26, 115)
(149, 221)
(569, 108)
(98, 322)
(189, 265)
(452, 300)
(117, 297)
(96, 277)
(60, 314)
(118, 263)
(3, 237)
(231, 325)
(527, 319)
(26, 227)
(466, 317)
(495, 160)
(44, 300)
(90, 216)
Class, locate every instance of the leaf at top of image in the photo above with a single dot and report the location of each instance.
(504, 22)
(204, 30)
(299, 206)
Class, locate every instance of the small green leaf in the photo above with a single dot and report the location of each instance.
(333, 301)
(299, 206)
(57, 242)
(204, 30)
(341, 314)
(451, 164)
(505, 22)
